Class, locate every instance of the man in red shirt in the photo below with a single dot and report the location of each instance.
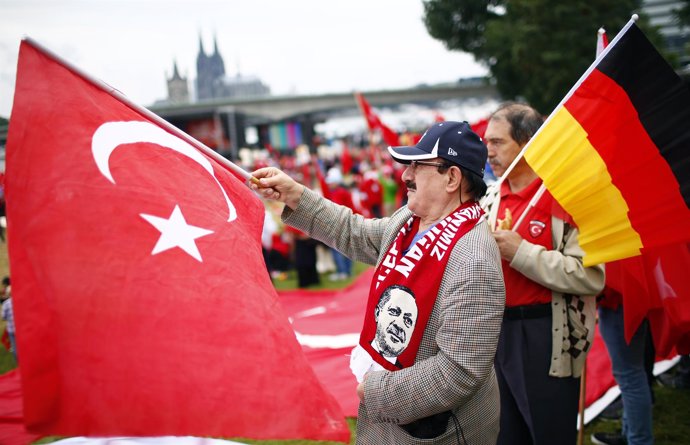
(548, 324)
(372, 193)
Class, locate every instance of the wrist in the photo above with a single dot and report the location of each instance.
(293, 196)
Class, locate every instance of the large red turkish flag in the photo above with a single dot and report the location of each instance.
(143, 306)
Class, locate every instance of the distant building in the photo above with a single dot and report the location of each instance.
(209, 69)
(662, 14)
(243, 86)
(178, 88)
(212, 82)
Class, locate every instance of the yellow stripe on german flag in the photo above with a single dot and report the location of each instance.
(577, 167)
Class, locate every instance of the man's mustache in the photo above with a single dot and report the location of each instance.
(396, 332)
(410, 185)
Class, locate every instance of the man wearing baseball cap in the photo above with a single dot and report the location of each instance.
(438, 385)
(449, 144)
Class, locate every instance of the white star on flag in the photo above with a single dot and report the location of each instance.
(175, 232)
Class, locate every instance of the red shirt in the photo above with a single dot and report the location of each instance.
(341, 195)
(535, 228)
(371, 187)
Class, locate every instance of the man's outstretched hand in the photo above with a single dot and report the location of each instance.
(277, 185)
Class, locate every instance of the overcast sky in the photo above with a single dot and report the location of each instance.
(294, 46)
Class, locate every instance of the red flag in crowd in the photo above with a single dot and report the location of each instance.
(320, 178)
(668, 298)
(142, 303)
(272, 151)
(479, 126)
(306, 173)
(374, 123)
(654, 286)
(346, 159)
(602, 41)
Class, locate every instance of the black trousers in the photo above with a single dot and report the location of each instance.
(536, 409)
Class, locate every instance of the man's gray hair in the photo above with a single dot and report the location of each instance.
(524, 120)
(386, 295)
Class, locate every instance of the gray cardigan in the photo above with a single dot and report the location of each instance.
(561, 270)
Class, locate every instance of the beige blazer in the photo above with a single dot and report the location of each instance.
(454, 365)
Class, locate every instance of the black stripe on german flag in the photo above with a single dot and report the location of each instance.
(660, 96)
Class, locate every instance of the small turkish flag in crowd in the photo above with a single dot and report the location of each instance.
(142, 303)
(389, 136)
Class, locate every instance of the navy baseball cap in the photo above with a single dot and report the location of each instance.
(453, 141)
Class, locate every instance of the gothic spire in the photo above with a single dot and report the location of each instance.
(201, 45)
(176, 73)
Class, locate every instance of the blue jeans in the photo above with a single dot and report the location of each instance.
(342, 263)
(628, 365)
(13, 344)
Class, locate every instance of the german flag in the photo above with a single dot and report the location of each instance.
(616, 153)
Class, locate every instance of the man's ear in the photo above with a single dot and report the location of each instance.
(376, 313)
(454, 179)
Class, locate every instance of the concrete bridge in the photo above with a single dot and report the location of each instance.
(230, 117)
(221, 124)
(280, 108)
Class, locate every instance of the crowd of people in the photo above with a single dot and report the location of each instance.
(354, 177)
(481, 312)
(477, 327)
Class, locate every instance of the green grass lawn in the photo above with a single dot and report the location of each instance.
(291, 281)
(671, 425)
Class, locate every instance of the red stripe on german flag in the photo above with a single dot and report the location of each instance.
(610, 158)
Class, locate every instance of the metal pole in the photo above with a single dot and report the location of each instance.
(583, 394)
(239, 171)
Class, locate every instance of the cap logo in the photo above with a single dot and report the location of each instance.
(452, 152)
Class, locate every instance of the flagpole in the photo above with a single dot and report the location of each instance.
(533, 202)
(581, 407)
(138, 108)
(591, 68)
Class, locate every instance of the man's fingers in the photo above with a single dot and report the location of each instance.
(266, 177)
(264, 172)
(269, 193)
(269, 181)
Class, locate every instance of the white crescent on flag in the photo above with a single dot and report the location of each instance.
(111, 135)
